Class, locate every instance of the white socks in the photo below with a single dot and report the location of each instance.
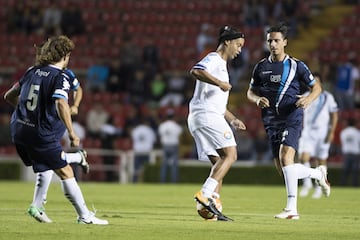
(304, 172)
(43, 180)
(73, 157)
(307, 183)
(72, 191)
(292, 173)
(209, 187)
(291, 184)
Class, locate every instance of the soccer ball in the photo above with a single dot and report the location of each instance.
(203, 212)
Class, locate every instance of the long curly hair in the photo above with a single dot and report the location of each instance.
(53, 50)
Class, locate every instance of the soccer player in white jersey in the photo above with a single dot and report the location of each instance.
(320, 120)
(209, 118)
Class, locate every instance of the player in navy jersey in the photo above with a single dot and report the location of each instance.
(78, 157)
(41, 117)
(276, 87)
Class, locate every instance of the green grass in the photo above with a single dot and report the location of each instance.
(154, 211)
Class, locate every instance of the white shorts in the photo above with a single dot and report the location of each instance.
(316, 147)
(209, 139)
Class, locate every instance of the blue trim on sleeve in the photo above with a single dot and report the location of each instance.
(59, 96)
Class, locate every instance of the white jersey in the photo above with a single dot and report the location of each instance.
(350, 140)
(144, 138)
(316, 126)
(209, 101)
(169, 132)
(317, 115)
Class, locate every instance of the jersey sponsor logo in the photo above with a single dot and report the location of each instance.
(26, 122)
(42, 73)
(266, 72)
(227, 135)
(275, 78)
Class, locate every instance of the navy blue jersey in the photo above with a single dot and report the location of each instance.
(35, 120)
(281, 82)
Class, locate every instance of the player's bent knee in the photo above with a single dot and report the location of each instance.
(65, 172)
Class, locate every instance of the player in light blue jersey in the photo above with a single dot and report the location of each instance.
(275, 87)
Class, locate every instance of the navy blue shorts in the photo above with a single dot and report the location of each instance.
(284, 131)
(42, 160)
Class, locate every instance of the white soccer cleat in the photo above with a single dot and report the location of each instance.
(39, 214)
(287, 214)
(84, 164)
(91, 219)
(323, 182)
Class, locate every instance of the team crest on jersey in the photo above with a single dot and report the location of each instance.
(227, 135)
(66, 84)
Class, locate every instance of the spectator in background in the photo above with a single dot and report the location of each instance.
(108, 133)
(170, 132)
(116, 81)
(71, 20)
(289, 9)
(52, 19)
(205, 39)
(176, 86)
(16, 18)
(350, 147)
(157, 87)
(96, 118)
(348, 76)
(33, 17)
(254, 12)
(138, 87)
(238, 67)
(144, 139)
(130, 56)
(97, 76)
(150, 56)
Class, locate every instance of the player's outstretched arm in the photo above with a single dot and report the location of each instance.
(12, 95)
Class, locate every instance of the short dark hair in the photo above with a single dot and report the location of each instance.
(229, 33)
(280, 27)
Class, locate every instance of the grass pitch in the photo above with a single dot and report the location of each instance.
(160, 211)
